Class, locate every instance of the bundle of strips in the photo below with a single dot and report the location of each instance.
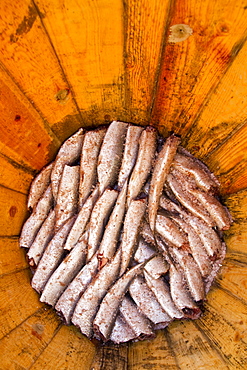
(125, 232)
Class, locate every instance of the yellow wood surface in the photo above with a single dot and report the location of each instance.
(67, 63)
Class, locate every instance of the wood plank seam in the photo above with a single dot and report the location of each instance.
(47, 127)
(234, 53)
(58, 60)
(43, 349)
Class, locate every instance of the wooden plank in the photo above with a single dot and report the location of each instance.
(229, 162)
(236, 237)
(108, 357)
(88, 39)
(223, 335)
(145, 23)
(151, 354)
(12, 211)
(192, 349)
(13, 176)
(17, 300)
(232, 309)
(191, 69)
(237, 204)
(233, 278)
(23, 132)
(12, 257)
(224, 113)
(24, 344)
(69, 349)
(29, 57)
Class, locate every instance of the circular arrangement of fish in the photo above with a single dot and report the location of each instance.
(125, 232)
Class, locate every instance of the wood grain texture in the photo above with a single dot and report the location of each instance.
(28, 139)
(233, 310)
(145, 24)
(12, 257)
(26, 53)
(13, 176)
(110, 357)
(233, 279)
(191, 69)
(229, 162)
(224, 113)
(68, 349)
(152, 354)
(17, 300)
(223, 335)
(193, 351)
(25, 344)
(12, 211)
(88, 39)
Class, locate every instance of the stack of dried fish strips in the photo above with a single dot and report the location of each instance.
(125, 232)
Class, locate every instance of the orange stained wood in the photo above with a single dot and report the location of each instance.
(222, 333)
(236, 237)
(145, 25)
(22, 131)
(156, 352)
(14, 176)
(68, 350)
(193, 351)
(12, 257)
(225, 111)
(191, 69)
(233, 279)
(33, 334)
(29, 57)
(229, 162)
(231, 309)
(12, 211)
(88, 39)
(17, 300)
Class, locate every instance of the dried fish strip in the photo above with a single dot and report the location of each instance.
(34, 222)
(68, 154)
(45, 234)
(81, 220)
(108, 308)
(171, 232)
(147, 302)
(121, 331)
(188, 200)
(157, 266)
(191, 272)
(51, 258)
(130, 153)
(140, 325)
(87, 305)
(131, 228)
(65, 272)
(160, 172)
(197, 249)
(207, 234)
(147, 148)
(67, 197)
(88, 165)
(111, 235)
(98, 218)
(181, 295)
(39, 185)
(190, 166)
(161, 291)
(110, 156)
(68, 300)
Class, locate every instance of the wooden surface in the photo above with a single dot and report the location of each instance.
(66, 64)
